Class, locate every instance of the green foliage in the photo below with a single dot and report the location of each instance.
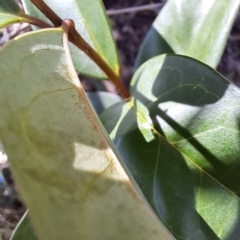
(24, 230)
(67, 167)
(181, 132)
(102, 100)
(10, 6)
(177, 174)
(197, 29)
(92, 24)
(152, 46)
(10, 13)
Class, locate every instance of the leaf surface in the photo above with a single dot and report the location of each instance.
(68, 175)
(24, 230)
(198, 29)
(179, 136)
(102, 100)
(10, 13)
(152, 45)
(92, 24)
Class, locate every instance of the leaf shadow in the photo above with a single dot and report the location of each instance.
(186, 88)
(171, 190)
(61, 158)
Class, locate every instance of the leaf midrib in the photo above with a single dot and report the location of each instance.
(139, 114)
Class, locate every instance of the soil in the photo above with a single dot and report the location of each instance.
(229, 65)
(129, 30)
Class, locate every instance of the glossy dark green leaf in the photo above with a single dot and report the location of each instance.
(198, 29)
(179, 136)
(102, 100)
(92, 24)
(24, 230)
(10, 13)
(152, 45)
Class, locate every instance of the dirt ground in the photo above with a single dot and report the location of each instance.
(129, 30)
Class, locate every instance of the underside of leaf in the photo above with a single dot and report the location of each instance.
(68, 174)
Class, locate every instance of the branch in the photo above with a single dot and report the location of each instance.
(36, 21)
(77, 40)
(135, 9)
(48, 12)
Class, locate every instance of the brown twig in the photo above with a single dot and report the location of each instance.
(48, 12)
(152, 6)
(36, 21)
(77, 40)
(234, 38)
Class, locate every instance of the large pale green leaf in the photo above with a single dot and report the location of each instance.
(24, 230)
(92, 24)
(67, 172)
(179, 136)
(10, 13)
(198, 29)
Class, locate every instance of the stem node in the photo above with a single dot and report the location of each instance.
(77, 40)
